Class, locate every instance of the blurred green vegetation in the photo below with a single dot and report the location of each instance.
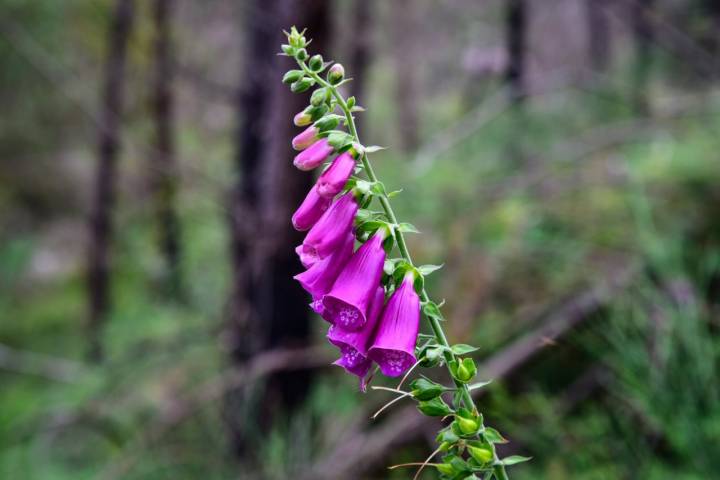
(528, 209)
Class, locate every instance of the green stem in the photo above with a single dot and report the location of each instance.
(499, 468)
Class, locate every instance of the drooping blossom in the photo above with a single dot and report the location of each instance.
(310, 210)
(305, 138)
(319, 278)
(314, 156)
(332, 180)
(393, 347)
(330, 231)
(354, 345)
(347, 303)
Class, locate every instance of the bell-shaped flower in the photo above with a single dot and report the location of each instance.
(332, 180)
(393, 347)
(314, 156)
(353, 345)
(347, 303)
(330, 231)
(310, 210)
(319, 278)
(305, 138)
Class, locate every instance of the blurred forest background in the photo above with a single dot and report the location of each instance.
(560, 156)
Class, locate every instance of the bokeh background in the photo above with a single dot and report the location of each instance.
(559, 156)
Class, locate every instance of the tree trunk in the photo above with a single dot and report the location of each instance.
(101, 231)
(360, 52)
(164, 168)
(644, 36)
(268, 307)
(406, 87)
(515, 32)
(598, 28)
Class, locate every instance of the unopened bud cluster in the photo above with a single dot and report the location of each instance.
(371, 300)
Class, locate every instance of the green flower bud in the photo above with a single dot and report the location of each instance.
(288, 50)
(302, 85)
(327, 123)
(434, 408)
(481, 454)
(423, 389)
(467, 426)
(317, 97)
(317, 113)
(445, 468)
(316, 63)
(336, 74)
(465, 370)
(301, 54)
(351, 102)
(447, 436)
(445, 446)
(292, 76)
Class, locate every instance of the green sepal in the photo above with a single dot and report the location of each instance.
(339, 139)
(405, 227)
(461, 348)
(302, 85)
(292, 76)
(318, 97)
(328, 122)
(432, 310)
(434, 408)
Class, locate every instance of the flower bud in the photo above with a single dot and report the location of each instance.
(466, 370)
(445, 468)
(315, 63)
(434, 408)
(333, 180)
(316, 113)
(423, 389)
(302, 85)
(445, 446)
(301, 54)
(292, 76)
(327, 123)
(318, 97)
(310, 210)
(467, 426)
(481, 454)
(288, 50)
(306, 138)
(314, 156)
(302, 119)
(336, 74)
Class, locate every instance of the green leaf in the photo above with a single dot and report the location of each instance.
(357, 108)
(514, 459)
(394, 193)
(493, 436)
(479, 385)
(373, 148)
(405, 227)
(428, 269)
(460, 348)
(339, 139)
(431, 310)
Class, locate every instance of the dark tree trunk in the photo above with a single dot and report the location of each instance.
(360, 52)
(101, 231)
(164, 168)
(643, 33)
(407, 34)
(268, 308)
(598, 28)
(515, 32)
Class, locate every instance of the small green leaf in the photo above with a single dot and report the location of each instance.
(357, 108)
(460, 348)
(434, 408)
(394, 193)
(479, 385)
(405, 227)
(428, 269)
(339, 139)
(514, 459)
(431, 310)
(493, 436)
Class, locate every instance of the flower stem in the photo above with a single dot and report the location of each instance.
(498, 468)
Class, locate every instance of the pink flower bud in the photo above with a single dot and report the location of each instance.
(332, 181)
(310, 210)
(314, 156)
(302, 119)
(304, 139)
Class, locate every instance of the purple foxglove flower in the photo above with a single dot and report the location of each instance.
(330, 231)
(346, 305)
(304, 139)
(310, 210)
(394, 345)
(353, 345)
(314, 156)
(318, 279)
(334, 178)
